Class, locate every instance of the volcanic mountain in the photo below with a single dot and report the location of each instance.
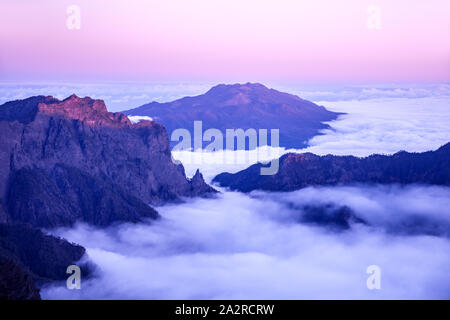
(244, 106)
(297, 171)
(72, 160)
(68, 161)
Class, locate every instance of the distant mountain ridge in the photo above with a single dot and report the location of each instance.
(298, 171)
(250, 105)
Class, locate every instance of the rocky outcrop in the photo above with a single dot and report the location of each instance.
(28, 256)
(198, 186)
(67, 194)
(330, 215)
(297, 171)
(72, 160)
(43, 256)
(250, 105)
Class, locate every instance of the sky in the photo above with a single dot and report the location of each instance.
(319, 41)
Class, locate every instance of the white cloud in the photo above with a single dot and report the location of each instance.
(241, 247)
(385, 126)
(136, 119)
(382, 126)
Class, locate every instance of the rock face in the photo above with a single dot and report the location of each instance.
(297, 171)
(3, 214)
(69, 160)
(244, 106)
(15, 282)
(45, 257)
(28, 255)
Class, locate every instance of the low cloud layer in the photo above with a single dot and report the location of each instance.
(271, 245)
(385, 126)
(250, 247)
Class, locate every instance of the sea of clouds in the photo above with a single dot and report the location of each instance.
(257, 246)
(254, 247)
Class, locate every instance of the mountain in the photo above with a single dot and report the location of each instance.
(297, 171)
(68, 161)
(15, 282)
(250, 105)
(28, 255)
(44, 257)
(72, 160)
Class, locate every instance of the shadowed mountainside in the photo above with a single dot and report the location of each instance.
(28, 255)
(15, 282)
(297, 171)
(69, 160)
(45, 257)
(250, 105)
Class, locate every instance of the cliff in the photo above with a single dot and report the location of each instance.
(72, 160)
(27, 256)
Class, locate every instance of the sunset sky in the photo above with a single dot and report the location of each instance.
(233, 40)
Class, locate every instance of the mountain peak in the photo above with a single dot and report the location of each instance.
(247, 105)
(72, 97)
(88, 110)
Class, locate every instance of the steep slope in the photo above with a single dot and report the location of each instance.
(297, 171)
(28, 256)
(244, 106)
(15, 282)
(63, 161)
(45, 257)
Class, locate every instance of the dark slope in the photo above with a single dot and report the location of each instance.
(63, 161)
(28, 255)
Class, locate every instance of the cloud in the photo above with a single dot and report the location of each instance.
(364, 92)
(136, 119)
(244, 247)
(385, 126)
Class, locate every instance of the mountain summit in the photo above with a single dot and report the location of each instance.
(250, 105)
(63, 161)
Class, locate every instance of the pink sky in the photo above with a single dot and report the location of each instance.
(232, 40)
